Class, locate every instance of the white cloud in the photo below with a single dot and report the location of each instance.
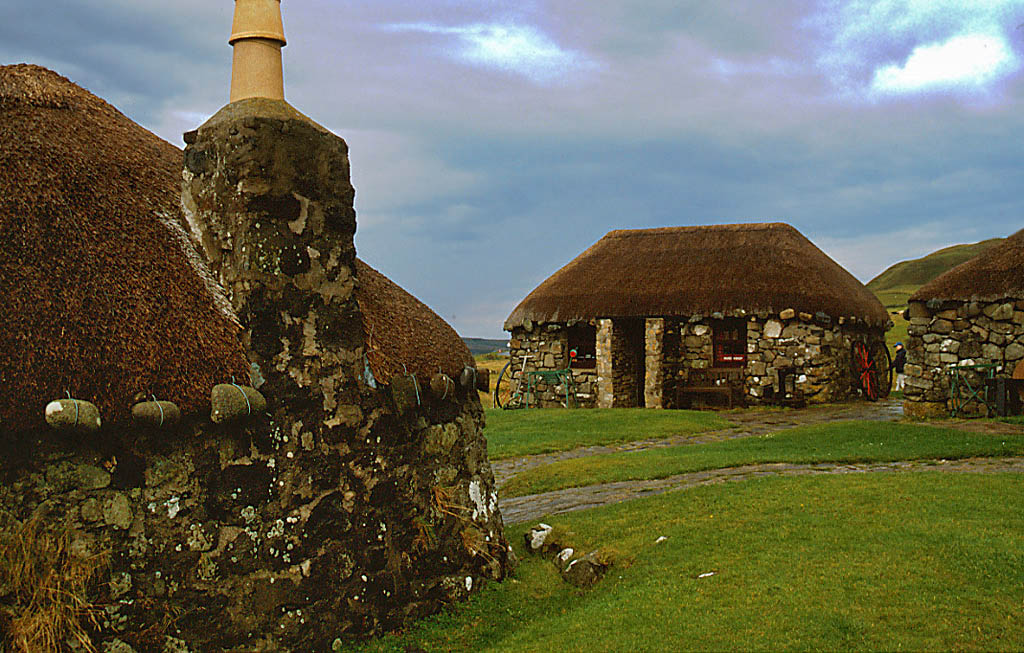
(393, 171)
(522, 50)
(968, 61)
(876, 47)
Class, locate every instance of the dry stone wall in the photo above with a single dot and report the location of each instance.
(272, 535)
(546, 347)
(817, 355)
(812, 349)
(942, 334)
(341, 511)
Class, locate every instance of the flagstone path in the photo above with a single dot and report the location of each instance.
(748, 423)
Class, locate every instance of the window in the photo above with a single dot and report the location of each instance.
(583, 340)
(730, 338)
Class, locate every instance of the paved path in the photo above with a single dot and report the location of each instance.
(748, 423)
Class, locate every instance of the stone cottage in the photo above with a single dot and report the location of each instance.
(359, 498)
(644, 309)
(970, 315)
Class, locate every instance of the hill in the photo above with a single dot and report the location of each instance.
(479, 346)
(899, 281)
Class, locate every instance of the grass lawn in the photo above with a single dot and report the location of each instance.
(914, 561)
(898, 333)
(833, 442)
(521, 432)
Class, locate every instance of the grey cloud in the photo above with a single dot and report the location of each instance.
(474, 185)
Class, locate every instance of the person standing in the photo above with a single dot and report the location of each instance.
(898, 363)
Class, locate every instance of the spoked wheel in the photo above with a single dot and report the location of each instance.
(503, 393)
(883, 366)
(872, 368)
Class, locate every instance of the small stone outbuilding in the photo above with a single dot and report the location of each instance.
(644, 308)
(359, 499)
(970, 315)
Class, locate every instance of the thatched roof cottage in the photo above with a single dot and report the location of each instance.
(970, 315)
(359, 498)
(107, 295)
(643, 309)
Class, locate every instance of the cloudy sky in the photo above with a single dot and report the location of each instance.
(493, 140)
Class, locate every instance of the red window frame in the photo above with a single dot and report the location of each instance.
(730, 342)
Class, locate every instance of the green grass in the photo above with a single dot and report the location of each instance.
(834, 442)
(522, 432)
(896, 298)
(898, 333)
(913, 561)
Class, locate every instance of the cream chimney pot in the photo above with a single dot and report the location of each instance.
(257, 36)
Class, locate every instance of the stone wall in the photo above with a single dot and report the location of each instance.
(654, 356)
(272, 535)
(342, 511)
(605, 391)
(958, 333)
(814, 350)
(546, 347)
(817, 354)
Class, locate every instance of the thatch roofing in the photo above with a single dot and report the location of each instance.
(682, 271)
(104, 292)
(103, 295)
(995, 274)
(403, 335)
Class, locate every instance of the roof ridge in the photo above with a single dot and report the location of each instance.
(738, 226)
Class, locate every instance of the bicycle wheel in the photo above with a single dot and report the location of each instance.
(503, 387)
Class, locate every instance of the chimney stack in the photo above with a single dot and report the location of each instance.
(257, 36)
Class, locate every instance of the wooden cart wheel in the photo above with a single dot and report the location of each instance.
(505, 395)
(865, 370)
(883, 368)
(1018, 373)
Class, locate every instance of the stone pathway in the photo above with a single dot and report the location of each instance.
(520, 509)
(748, 423)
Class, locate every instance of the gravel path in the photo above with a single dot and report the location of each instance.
(748, 423)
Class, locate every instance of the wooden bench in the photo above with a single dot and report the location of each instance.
(726, 381)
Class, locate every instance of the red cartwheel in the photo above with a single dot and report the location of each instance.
(872, 369)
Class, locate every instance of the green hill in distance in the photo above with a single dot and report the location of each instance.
(894, 286)
(479, 346)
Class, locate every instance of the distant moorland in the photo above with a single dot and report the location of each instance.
(479, 346)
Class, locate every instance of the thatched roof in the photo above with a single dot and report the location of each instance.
(103, 295)
(995, 274)
(403, 335)
(104, 292)
(682, 271)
